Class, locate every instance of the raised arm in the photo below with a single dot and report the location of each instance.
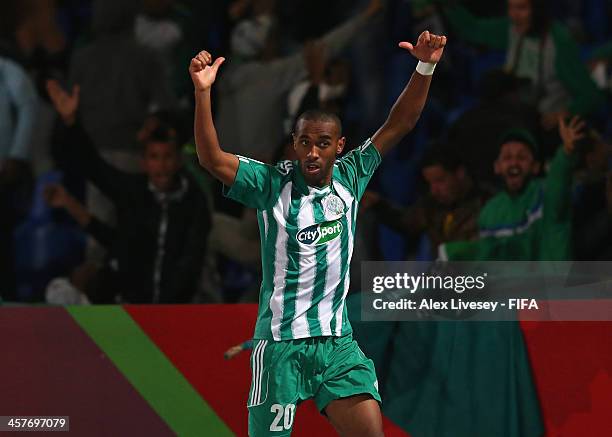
(220, 164)
(288, 71)
(76, 147)
(558, 193)
(407, 109)
(57, 197)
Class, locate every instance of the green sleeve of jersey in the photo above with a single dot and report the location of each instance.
(573, 73)
(485, 217)
(489, 32)
(256, 184)
(558, 192)
(358, 166)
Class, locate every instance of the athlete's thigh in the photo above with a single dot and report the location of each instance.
(275, 390)
(348, 373)
(356, 416)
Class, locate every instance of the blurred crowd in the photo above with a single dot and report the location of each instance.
(103, 199)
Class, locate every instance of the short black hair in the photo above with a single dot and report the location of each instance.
(320, 115)
(161, 134)
(443, 155)
(174, 120)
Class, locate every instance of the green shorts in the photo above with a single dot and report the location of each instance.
(286, 373)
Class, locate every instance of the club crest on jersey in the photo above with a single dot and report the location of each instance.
(320, 233)
(333, 206)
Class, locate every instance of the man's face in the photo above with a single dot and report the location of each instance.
(316, 144)
(445, 186)
(161, 162)
(519, 12)
(515, 165)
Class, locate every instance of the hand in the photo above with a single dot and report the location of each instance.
(203, 74)
(429, 47)
(56, 195)
(65, 104)
(232, 352)
(570, 133)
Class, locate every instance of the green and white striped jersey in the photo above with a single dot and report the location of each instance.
(307, 238)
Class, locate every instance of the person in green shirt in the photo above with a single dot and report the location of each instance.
(447, 212)
(539, 50)
(530, 220)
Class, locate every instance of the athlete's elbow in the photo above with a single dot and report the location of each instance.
(206, 157)
(203, 160)
(213, 163)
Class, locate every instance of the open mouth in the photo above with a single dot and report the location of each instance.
(312, 168)
(514, 173)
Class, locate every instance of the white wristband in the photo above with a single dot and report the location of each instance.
(425, 68)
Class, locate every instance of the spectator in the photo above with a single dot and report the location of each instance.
(448, 212)
(325, 88)
(528, 220)
(173, 31)
(253, 89)
(539, 50)
(120, 79)
(156, 251)
(531, 218)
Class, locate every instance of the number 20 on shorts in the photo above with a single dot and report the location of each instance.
(284, 414)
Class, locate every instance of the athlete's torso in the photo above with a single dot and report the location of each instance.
(307, 238)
